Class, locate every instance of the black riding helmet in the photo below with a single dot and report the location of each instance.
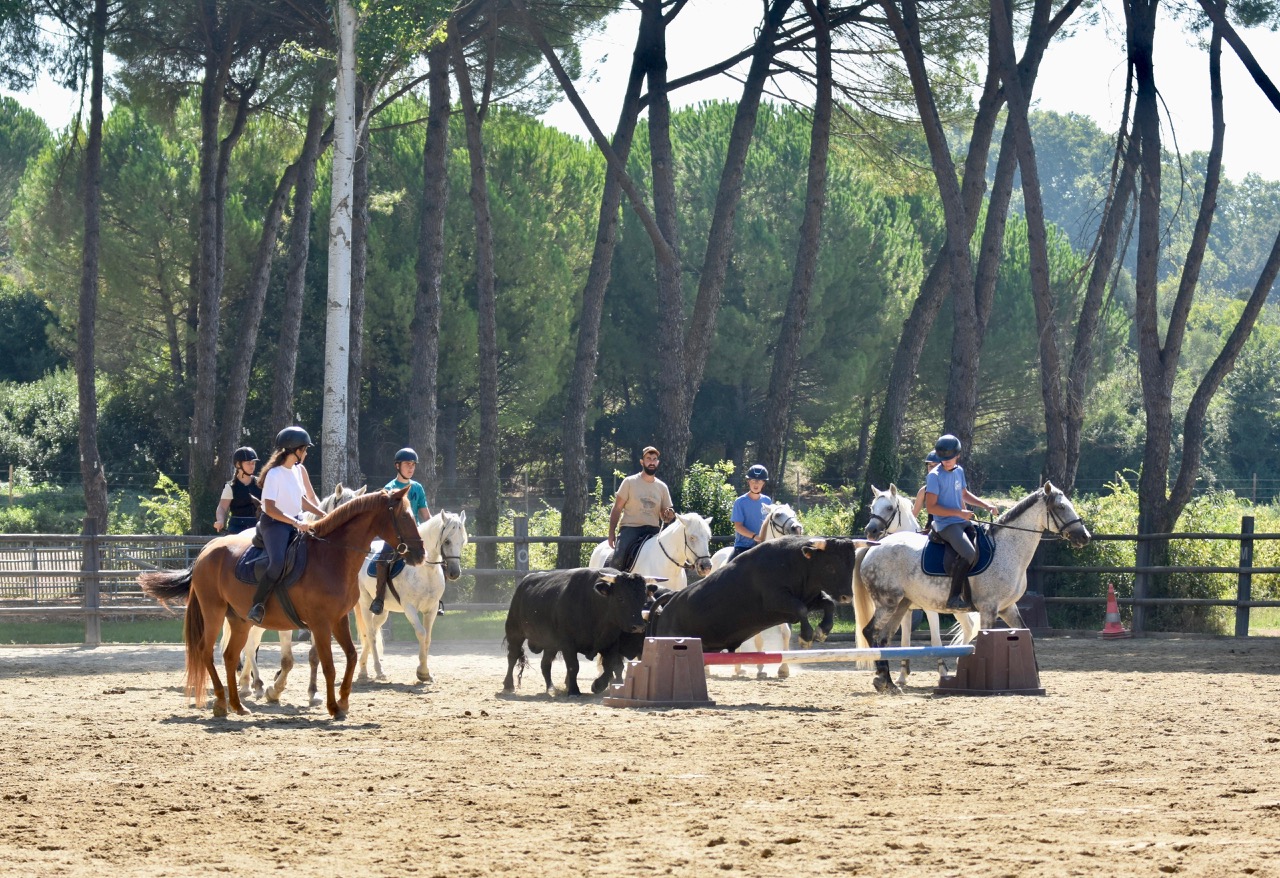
(243, 453)
(758, 472)
(947, 447)
(406, 455)
(293, 437)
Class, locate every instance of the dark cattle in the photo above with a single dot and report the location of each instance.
(779, 581)
(586, 611)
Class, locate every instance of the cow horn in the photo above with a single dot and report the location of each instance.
(816, 544)
(865, 544)
(608, 574)
(654, 580)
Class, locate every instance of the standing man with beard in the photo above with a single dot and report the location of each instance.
(642, 504)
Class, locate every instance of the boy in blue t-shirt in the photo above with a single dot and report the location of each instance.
(946, 494)
(406, 465)
(748, 511)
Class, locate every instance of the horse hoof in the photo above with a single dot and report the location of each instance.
(219, 710)
(805, 644)
(762, 675)
(820, 636)
(425, 678)
(339, 715)
(783, 672)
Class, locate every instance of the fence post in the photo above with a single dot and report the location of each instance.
(89, 576)
(1142, 555)
(1244, 586)
(520, 529)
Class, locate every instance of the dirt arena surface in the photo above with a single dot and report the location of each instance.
(1146, 757)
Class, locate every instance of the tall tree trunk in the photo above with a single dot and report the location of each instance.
(487, 458)
(675, 405)
(425, 327)
(208, 293)
(786, 359)
(298, 249)
(237, 385)
(333, 445)
(353, 475)
(573, 513)
(702, 323)
(91, 474)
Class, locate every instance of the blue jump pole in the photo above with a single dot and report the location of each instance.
(795, 656)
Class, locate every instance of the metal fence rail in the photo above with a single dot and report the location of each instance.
(91, 577)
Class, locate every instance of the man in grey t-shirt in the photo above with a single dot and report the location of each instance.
(642, 504)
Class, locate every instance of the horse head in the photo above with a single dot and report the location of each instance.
(888, 514)
(780, 521)
(697, 541)
(1061, 517)
(448, 532)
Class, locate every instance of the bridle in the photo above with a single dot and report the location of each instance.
(887, 523)
(688, 550)
(444, 559)
(784, 529)
(402, 547)
(1060, 525)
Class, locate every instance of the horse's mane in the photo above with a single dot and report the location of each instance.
(1022, 506)
(347, 511)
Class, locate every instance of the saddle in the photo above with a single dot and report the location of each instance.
(625, 564)
(938, 557)
(374, 556)
(255, 560)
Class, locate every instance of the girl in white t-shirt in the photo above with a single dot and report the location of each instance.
(286, 494)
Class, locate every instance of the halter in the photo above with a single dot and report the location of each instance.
(688, 550)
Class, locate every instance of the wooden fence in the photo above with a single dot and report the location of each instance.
(57, 576)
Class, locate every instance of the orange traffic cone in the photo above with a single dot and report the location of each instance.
(1113, 630)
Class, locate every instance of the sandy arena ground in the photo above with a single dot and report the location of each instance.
(1146, 757)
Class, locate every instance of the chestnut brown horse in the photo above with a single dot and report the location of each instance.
(323, 596)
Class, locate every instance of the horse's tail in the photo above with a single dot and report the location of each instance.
(960, 635)
(166, 585)
(193, 635)
(863, 607)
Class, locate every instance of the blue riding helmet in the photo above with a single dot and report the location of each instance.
(293, 437)
(947, 447)
(406, 455)
(243, 453)
(932, 457)
(758, 472)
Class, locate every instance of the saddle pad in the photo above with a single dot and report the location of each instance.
(372, 567)
(933, 558)
(295, 562)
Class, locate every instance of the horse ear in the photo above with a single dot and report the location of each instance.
(1048, 487)
(876, 491)
(337, 489)
(893, 490)
(362, 490)
(707, 521)
(462, 516)
(400, 492)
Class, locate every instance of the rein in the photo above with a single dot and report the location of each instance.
(1059, 525)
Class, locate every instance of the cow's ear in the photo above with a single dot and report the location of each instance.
(604, 587)
(816, 544)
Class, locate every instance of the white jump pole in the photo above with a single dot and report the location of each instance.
(794, 656)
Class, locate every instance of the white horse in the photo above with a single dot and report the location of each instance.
(890, 514)
(779, 521)
(249, 681)
(416, 592)
(684, 544)
(889, 579)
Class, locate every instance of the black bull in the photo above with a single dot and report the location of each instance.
(783, 580)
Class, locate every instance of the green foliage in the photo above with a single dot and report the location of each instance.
(707, 492)
(1116, 512)
(170, 511)
(832, 517)
(41, 508)
(24, 324)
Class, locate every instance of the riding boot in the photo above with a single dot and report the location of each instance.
(380, 591)
(959, 597)
(260, 596)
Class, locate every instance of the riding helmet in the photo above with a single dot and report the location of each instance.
(243, 453)
(292, 437)
(932, 457)
(406, 455)
(947, 447)
(758, 472)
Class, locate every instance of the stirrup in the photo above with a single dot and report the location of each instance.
(256, 613)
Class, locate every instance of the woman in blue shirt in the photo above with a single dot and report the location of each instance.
(748, 511)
